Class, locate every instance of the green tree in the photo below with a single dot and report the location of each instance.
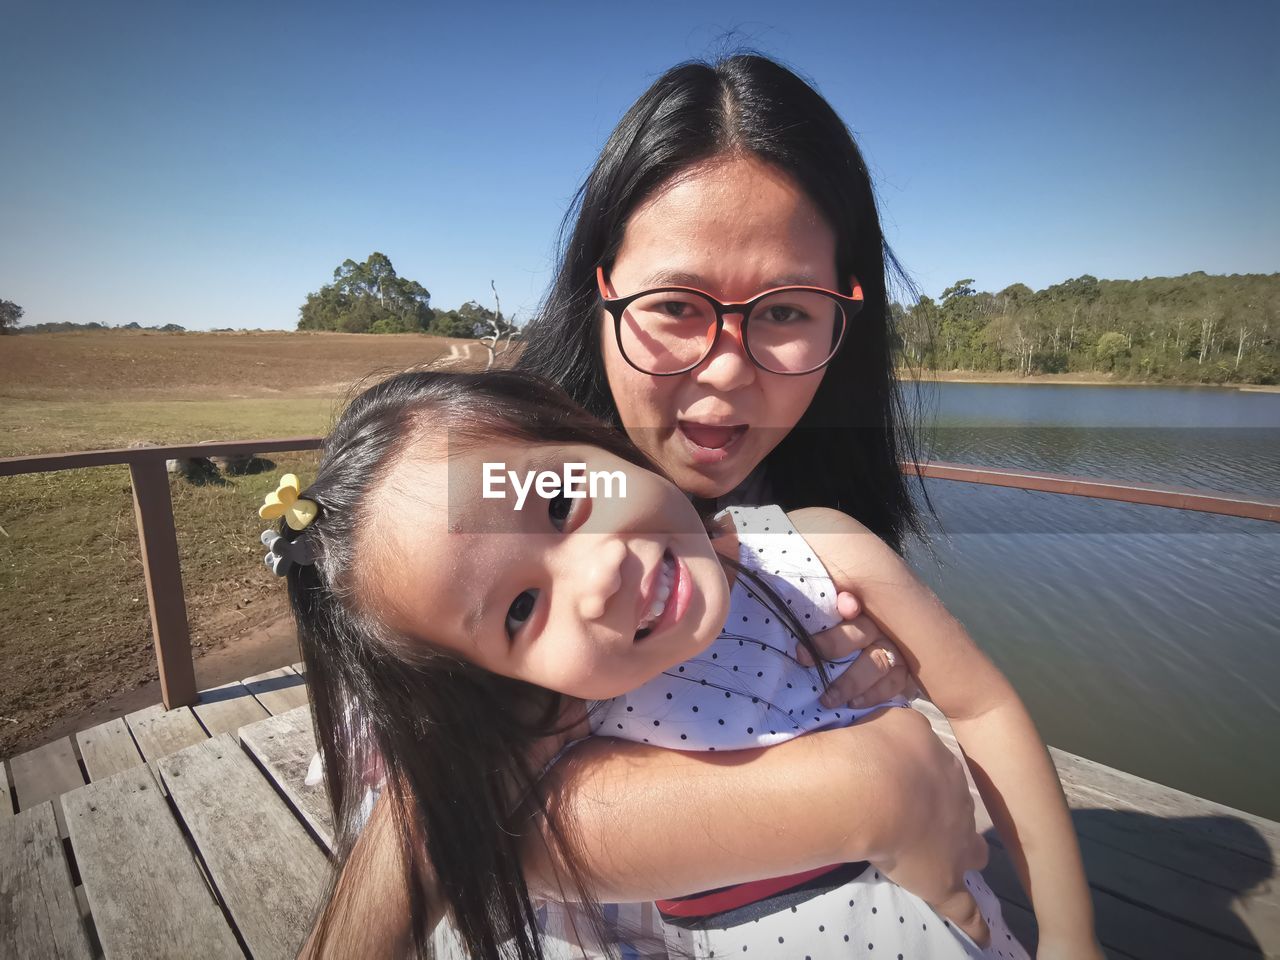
(451, 323)
(962, 316)
(917, 328)
(368, 297)
(1111, 346)
(1195, 327)
(469, 320)
(10, 314)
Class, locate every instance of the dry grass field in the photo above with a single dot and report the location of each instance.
(73, 620)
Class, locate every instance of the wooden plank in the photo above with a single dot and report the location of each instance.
(38, 912)
(108, 749)
(268, 870)
(147, 893)
(284, 746)
(1115, 873)
(6, 801)
(1195, 817)
(278, 690)
(227, 708)
(46, 773)
(160, 732)
(1244, 918)
(1128, 928)
(1138, 858)
(1221, 848)
(1098, 785)
(1163, 842)
(1143, 859)
(1022, 923)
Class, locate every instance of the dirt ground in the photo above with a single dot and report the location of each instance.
(75, 644)
(194, 366)
(239, 656)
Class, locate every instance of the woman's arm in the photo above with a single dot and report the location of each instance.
(652, 823)
(1009, 761)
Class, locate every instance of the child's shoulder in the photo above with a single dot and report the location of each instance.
(771, 518)
(820, 520)
(841, 544)
(846, 547)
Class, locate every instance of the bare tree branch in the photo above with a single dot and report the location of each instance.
(498, 340)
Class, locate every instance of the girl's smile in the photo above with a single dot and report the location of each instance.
(667, 598)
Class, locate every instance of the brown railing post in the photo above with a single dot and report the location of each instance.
(158, 539)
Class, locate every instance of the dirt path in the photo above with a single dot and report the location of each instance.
(264, 648)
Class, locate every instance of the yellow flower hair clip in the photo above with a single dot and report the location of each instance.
(284, 501)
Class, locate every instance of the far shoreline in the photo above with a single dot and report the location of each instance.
(1067, 380)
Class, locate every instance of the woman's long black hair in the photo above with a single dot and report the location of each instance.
(453, 741)
(845, 451)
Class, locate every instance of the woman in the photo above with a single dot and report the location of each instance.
(733, 179)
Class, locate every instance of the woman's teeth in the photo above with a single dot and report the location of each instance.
(662, 593)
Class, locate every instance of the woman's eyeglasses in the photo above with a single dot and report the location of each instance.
(787, 330)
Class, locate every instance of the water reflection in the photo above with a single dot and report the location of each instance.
(1143, 637)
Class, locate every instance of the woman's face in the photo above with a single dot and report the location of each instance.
(590, 596)
(733, 227)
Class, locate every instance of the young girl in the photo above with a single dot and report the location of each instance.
(457, 621)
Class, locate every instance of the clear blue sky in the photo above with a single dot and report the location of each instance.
(209, 164)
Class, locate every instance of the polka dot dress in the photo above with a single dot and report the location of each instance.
(866, 917)
(747, 690)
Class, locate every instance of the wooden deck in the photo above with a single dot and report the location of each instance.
(190, 833)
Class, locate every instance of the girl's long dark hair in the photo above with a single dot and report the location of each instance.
(453, 741)
(845, 451)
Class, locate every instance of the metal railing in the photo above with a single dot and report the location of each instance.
(157, 537)
(1228, 505)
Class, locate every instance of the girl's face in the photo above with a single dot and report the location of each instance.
(588, 596)
(733, 227)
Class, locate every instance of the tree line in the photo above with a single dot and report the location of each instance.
(370, 297)
(66, 326)
(1193, 328)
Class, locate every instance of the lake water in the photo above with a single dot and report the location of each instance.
(1142, 637)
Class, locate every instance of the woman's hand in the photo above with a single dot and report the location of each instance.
(930, 846)
(877, 676)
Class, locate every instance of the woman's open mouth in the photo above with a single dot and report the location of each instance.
(670, 596)
(710, 444)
